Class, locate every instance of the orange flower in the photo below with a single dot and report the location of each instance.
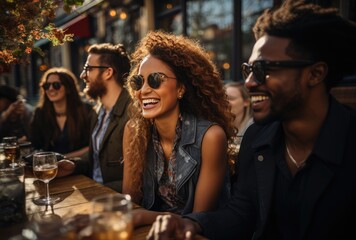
(28, 50)
(21, 27)
(23, 22)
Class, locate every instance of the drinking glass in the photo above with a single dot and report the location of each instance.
(45, 169)
(111, 217)
(11, 149)
(12, 194)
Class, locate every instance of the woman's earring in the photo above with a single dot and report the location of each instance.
(180, 97)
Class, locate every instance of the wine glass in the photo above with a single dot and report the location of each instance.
(45, 169)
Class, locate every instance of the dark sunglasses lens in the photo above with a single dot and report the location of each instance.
(246, 70)
(56, 85)
(136, 82)
(46, 86)
(258, 71)
(154, 80)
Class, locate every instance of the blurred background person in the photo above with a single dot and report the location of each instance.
(61, 120)
(240, 102)
(16, 114)
(175, 144)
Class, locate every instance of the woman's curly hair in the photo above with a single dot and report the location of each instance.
(204, 94)
(316, 33)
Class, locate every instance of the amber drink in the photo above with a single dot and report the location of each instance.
(45, 172)
(11, 149)
(111, 217)
(45, 169)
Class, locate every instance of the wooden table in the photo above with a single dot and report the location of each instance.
(75, 193)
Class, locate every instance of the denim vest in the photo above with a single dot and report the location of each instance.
(188, 166)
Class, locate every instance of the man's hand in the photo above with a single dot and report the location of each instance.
(65, 168)
(14, 110)
(173, 226)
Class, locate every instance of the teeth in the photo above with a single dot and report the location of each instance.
(258, 98)
(149, 101)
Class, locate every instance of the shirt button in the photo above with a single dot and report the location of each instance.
(260, 158)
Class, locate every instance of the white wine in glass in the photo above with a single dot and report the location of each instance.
(45, 168)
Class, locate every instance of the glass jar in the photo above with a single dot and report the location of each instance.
(12, 194)
(2, 153)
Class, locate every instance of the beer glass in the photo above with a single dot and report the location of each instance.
(45, 169)
(111, 217)
(11, 149)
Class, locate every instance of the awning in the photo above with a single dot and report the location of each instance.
(79, 26)
(77, 23)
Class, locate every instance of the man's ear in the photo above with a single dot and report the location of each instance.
(109, 72)
(318, 73)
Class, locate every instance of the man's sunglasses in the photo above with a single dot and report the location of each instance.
(55, 85)
(259, 67)
(154, 80)
(87, 68)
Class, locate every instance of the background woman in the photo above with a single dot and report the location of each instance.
(61, 120)
(239, 99)
(175, 145)
(240, 102)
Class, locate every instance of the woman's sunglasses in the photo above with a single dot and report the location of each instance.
(260, 67)
(55, 85)
(154, 80)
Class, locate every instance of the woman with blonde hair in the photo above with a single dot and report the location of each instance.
(240, 101)
(176, 142)
(61, 119)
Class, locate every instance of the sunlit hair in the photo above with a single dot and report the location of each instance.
(316, 33)
(245, 96)
(204, 92)
(74, 108)
(114, 56)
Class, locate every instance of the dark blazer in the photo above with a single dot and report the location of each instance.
(110, 153)
(328, 209)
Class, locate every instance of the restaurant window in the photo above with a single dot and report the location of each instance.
(169, 16)
(251, 10)
(211, 22)
(122, 26)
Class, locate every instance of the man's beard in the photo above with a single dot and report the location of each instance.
(270, 118)
(283, 112)
(96, 89)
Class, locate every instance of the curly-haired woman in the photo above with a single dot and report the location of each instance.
(61, 119)
(175, 145)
